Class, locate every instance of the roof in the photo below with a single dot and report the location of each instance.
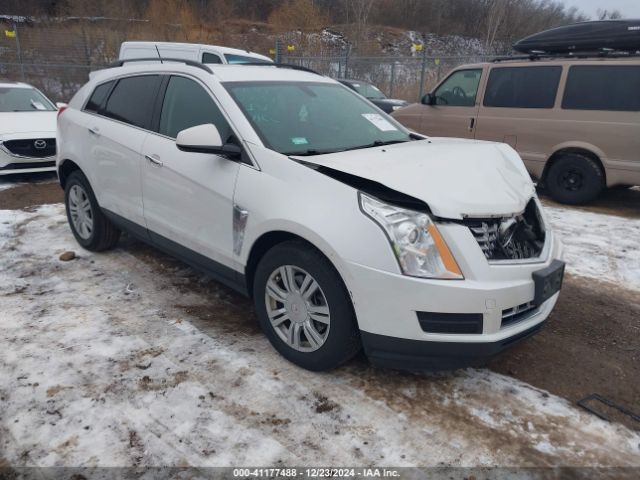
(551, 59)
(221, 72)
(229, 50)
(12, 84)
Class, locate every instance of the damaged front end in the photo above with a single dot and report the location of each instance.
(517, 237)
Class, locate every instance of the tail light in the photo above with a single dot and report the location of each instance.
(61, 109)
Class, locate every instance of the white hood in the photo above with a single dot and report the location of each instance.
(17, 124)
(455, 177)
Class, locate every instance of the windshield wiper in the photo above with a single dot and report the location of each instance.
(377, 143)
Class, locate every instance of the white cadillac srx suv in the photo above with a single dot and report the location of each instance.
(347, 230)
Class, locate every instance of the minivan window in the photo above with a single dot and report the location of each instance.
(460, 89)
(98, 97)
(522, 87)
(239, 59)
(187, 104)
(611, 87)
(312, 118)
(132, 100)
(210, 58)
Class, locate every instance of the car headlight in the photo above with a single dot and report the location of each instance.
(417, 244)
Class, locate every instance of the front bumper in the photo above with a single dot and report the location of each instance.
(389, 307)
(10, 164)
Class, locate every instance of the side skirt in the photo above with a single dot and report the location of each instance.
(220, 273)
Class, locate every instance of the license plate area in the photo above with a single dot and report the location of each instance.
(548, 282)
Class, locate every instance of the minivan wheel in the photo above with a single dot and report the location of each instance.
(89, 225)
(304, 308)
(574, 179)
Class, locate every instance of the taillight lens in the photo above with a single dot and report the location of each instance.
(60, 110)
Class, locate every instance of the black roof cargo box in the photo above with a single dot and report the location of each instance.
(620, 35)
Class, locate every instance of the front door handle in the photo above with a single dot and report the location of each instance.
(154, 159)
(472, 124)
(94, 131)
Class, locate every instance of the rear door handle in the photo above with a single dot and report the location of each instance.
(94, 130)
(154, 159)
(472, 124)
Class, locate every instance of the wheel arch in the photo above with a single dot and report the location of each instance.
(586, 150)
(66, 168)
(270, 239)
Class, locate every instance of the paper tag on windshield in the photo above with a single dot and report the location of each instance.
(38, 105)
(380, 123)
(299, 141)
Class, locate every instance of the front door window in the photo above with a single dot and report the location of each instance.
(460, 89)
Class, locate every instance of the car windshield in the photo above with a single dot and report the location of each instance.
(16, 99)
(308, 118)
(240, 59)
(367, 90)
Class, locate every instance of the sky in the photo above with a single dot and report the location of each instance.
(628, 8)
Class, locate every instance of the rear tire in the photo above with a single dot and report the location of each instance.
(92, 229)
(310, 324)
(574, 179)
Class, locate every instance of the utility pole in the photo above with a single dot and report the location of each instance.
(15, 29)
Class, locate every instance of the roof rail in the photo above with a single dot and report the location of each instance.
(191, 63)
(604, 53)
(280, 65)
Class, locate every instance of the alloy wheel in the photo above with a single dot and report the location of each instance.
(80, 212)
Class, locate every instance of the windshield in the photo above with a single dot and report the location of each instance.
(14, 99)
(240, 59)
(367, 90)
(313, 118)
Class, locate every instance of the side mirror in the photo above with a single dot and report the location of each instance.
(429, 99)
(61, 105)
(205, 139)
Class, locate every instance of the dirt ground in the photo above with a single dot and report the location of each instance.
(590, 344)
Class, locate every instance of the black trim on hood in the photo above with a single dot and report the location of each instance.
(370, 187)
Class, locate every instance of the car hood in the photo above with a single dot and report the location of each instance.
(27, 122)
(456, 178)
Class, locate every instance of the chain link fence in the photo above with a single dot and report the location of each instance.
(57, 56)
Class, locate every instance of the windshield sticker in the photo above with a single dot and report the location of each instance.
(380, 122)
(299, 141)
(37, 105)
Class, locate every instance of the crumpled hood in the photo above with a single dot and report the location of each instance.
(455, 177)
(14, 124)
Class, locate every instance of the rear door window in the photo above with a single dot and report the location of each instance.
(522, 87)
(595, 87)
(98, 97)
(460, 89)
(187, 104)
(131, 100)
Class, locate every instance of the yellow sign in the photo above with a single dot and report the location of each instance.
(417, 47)
(10, 33)
(291, 48)
(437, 61)
(272, 51)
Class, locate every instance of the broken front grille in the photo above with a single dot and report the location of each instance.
(512, 238)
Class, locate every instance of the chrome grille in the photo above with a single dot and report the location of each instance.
(511, 238)
(511, 316)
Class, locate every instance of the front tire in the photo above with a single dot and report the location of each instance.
(574, 179)
(304, 308)
(89, 225)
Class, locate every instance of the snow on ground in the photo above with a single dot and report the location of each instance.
(118, 359)
(605, 247)
(7, 182)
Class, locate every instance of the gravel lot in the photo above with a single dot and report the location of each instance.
(130, 358)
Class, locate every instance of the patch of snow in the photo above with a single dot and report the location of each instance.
(91, 375)
(605, 247)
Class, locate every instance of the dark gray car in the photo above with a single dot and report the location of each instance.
(374, 95)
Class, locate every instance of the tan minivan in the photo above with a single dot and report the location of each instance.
(575, 122)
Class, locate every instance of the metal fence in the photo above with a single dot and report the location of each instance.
(57, 56)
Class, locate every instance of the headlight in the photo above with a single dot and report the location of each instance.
(420, 249)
